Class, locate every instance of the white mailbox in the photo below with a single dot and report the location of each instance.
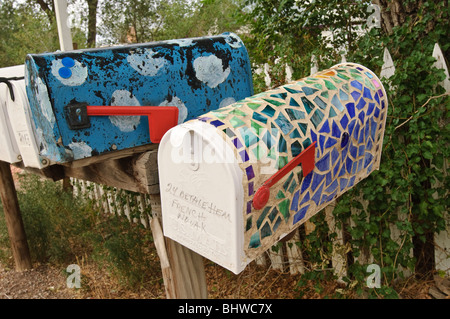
(18, 139)
(240, 178)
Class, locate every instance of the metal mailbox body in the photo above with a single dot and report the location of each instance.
(212, 169)
(195, 75)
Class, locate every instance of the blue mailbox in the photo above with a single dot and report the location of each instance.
(74, 96)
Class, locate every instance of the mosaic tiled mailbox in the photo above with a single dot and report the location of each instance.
(238, 179)
(90, 102)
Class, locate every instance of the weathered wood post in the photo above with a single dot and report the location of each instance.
(13, 219)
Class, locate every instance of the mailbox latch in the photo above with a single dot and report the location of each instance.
(160, 118)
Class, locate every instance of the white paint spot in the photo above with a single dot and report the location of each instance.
(80, 150)
(181, 42)
(182, 109)
(227, 101)
(145, 63)
(44, 102)
(78, 77)
(233, 40)
(209, 69)
(125, 123)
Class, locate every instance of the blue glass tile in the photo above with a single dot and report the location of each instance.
(325, 127)
(323, 164)
(317, 195)
(216, 123)
(303, 127)
(204, 119)
(344, 139)
(248, 136)
(356, 85)
(356, 131)
(293, 102)
(300, 214)
(335, 101)
(336, 167)
(351, 182)
(355, 95)
(283, 123)
(269, 111)
(269, 140)
(318, 178)
(335, 131)
(382, 104)
(369, 145)
(304, 199)
(259, 117)
(342, 95)
(279, 95)
(281, 145)
(377, 112)
(351, 126)
(380, 93)
(367, 94)
(295, 114)
(351, 109)
(334, 156)
(361, 150)
(277, 223)
(322, 142)
(307, 104)
(249, 172)
(249, 207)
(332, 187)
(361, 117)
(244, 155)
(293, 91)
(237, 143)
(370, 108)
(344, 121)
(377, 98)
(308, 90)
(361, 104)
(251, 190)
(265, 230)
(306, 182)
(294, 203)
(360, 165)
(342, 183)
(317, 118)
(373, 128)
(348, 165)
(313, 136)
(342, 171)
(320, 103)
(368, 74)
(361, 136)
(306, 143)
(295, 134)
(296, 148)
(330, 142)
(255, 241)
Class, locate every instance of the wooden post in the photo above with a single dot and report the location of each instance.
(183, 270)
(13, 219)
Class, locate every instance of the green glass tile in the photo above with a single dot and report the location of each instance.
(238, 112)
(329, 85)
(253, 106)
(273, 213)
(282, 161)
(273, 102)
(220, 116)
(312, 79)
(262, 216)
(259, 152)
(295, 114)
(291, 90)
(342, 76)
(256, 126)
(281, 96)
(277, 223)
(345, 87)
(336, 80)
(300, 177)
(303, 127)
(317, 118)
(292, 186)
(283, 207)
(324, 94)
(255, 241)
(229, 132)
(248, 225)
(294, 134)
(369, 84)
(269, 111)
(280, 195)
(288, 181)
(282, 145)
(248, 136)
(272, 154)
(332, 112)
(308, 105)
(266, 231)
(236, 122)
(296, 148)
(306, 143)
(319, 86)
(320, 103)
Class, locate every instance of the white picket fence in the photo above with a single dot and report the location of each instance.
(288, 256)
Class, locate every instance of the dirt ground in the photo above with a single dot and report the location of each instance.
(255, 282)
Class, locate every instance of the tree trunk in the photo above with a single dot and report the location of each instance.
(92, 22)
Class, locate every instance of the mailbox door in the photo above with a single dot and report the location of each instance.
(8, 146)
(202, 196)
(195, 75)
